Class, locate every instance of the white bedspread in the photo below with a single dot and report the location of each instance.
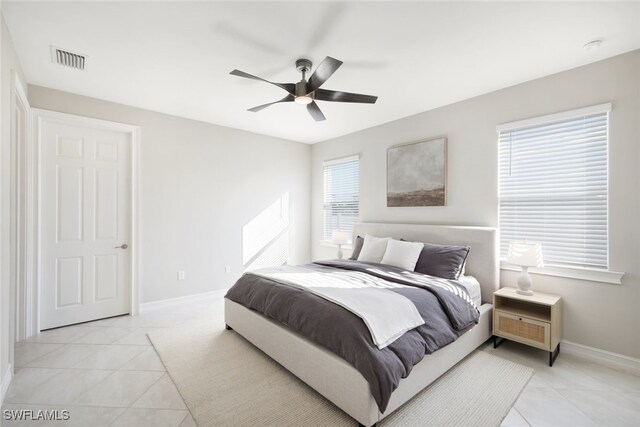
(387, 314)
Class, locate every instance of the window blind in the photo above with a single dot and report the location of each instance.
(341, 195)
(554, 188)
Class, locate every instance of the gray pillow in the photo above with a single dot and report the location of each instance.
(357, 247)
(442, 260)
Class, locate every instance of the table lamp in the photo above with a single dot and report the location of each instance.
(525, 254)
(339, 238)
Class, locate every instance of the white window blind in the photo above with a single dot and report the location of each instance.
(341, 194)
(554, 187)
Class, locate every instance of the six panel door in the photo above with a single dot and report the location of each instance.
(85, 218)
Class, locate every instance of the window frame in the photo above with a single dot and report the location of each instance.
(330, 162)
(573, 272)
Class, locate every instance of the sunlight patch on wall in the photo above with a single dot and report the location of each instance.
(273, 255)
(265, 239)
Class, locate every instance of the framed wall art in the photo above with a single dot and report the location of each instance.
(417, 174)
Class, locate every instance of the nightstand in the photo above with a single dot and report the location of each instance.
(534, 320)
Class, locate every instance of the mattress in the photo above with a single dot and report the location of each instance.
(472, 286)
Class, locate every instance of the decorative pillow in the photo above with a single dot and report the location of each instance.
(357, 247)
(373, 248)
(402, 254)
(442, 260)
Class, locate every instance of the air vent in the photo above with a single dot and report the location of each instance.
(68, 59)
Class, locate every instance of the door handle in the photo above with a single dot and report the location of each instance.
(122, 246)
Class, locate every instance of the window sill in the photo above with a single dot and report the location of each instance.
(588, 274)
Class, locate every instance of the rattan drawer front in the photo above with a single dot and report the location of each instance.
(522, 329)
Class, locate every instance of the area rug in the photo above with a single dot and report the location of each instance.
(226, 381)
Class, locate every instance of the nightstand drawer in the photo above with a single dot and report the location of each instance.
(522, 329)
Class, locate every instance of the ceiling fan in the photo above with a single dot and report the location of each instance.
(308, 92)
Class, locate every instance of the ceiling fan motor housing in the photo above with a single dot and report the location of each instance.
(301, 88)
(303, 65)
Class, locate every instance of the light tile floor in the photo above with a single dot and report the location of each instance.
(574, 392)
(106, 373)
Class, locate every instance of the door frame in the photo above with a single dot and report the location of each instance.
(19, 231)
(38, 116)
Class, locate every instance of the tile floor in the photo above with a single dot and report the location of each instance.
(106, 373)
(574, 392)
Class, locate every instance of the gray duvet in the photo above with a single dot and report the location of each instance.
(443, 304)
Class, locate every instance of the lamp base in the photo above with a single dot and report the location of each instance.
(340, 254)
(524, 282)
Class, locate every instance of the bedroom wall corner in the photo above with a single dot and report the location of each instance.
(8, 62)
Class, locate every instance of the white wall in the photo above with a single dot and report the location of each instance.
(199, 184)
(600, 315)
(8, 62)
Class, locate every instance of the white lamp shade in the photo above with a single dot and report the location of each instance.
(339, 237)
(525, 254)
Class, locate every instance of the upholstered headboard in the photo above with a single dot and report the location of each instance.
(483, 260)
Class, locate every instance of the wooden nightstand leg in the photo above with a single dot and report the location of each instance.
(553, 355)
(497, 341)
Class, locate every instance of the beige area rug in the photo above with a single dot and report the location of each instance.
(226, 381)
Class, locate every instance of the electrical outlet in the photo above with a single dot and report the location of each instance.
(181, 275)
(227, 269)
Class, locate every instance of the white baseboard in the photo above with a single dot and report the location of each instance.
(153, 305)
(6, 380)
(599, 355)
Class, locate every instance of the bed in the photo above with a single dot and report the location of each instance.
(336, 379)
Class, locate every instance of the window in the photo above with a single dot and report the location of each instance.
(554, 186)
(341, 194)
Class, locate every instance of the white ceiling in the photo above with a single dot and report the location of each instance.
(176, 57)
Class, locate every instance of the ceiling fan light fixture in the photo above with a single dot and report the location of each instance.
(304, 99)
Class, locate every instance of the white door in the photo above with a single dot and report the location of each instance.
(85, 210)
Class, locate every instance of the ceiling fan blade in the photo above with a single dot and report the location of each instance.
(289, 87)
(337, 96)
(327, 67)
(249, 38)
(315, 112)
(334, 13)
(288, 98)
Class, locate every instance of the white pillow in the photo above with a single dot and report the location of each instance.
(402, 254)
(373, 248)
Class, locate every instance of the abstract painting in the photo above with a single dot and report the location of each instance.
(417, 174)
